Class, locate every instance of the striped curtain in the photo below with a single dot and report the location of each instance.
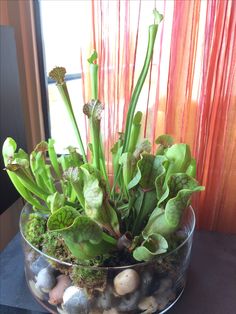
(190, 91)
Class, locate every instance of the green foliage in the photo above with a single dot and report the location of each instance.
(35, 229)
(88, 277)
(85, 217)
(54, 245)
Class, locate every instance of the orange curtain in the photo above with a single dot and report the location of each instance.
(190, 91)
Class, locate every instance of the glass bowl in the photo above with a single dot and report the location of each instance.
(149, 287)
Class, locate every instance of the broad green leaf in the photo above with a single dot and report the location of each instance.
(76, 158)
(56, 201)
(179, 157)
(93, 194)
(182, 185)
(191, 170)
(143, 207)
(164, 142)
(83, 236)
(97, 206)
(166, 220)
(154, 245)
(149, 167)
(62, 218)
(75, 177)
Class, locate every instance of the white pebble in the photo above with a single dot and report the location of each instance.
(36, 291)
(126, 281)
(111, 311)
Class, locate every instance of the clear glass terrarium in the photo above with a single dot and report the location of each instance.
(150, 287)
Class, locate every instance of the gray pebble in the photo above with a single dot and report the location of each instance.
(38, 265)
(75, 301)
(129, 302)
(106, 299)
(46, 279)
(146, 283)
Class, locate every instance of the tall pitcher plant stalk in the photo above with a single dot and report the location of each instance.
(143, 209)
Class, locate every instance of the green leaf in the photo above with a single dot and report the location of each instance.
(164, 142)
(160, 179)
(154, 245)
(166, 220)
(8, 149)
(179, 157)
(75, 177)
(149, 168)
(128, 163)
(142, 208)
(135, 131)
(93, 57)
(62, 218)
(97, 206)
(191, 170)
(182, 185)
(93, 193)
(158, 16)
(83, 236)
(56, 201)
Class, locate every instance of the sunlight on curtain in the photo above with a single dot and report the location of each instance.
(190, 92)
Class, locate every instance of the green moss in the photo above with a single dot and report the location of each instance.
(88, 277)
(54, 245)
(35, 229)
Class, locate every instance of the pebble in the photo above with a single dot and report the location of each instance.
(164, 298)
(129, 302)
(165, 284)
(105, 299)
(61, 311)
(35, 290)
(111, 311)
(126, 282)
(38, 265)
(56, 294)
(146, 283)
(75, 301)
(148, 305)
(46, 279)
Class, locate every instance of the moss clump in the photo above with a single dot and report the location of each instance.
(89, 278)
(35, 229)
(54, 245)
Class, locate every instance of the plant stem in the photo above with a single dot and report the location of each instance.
(94, 80)
(53, 157)
(135, 96)
(66, 98)
(106, 237)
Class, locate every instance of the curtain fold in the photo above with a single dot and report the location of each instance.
(190, 91)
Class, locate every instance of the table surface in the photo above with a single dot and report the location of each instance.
(210, 289)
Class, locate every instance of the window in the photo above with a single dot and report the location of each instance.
(63, 36)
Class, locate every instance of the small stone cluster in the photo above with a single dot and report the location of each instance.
(125, 291)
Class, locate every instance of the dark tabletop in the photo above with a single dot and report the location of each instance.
(211, 285)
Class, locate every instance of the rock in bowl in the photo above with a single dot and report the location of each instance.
(69, 288)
